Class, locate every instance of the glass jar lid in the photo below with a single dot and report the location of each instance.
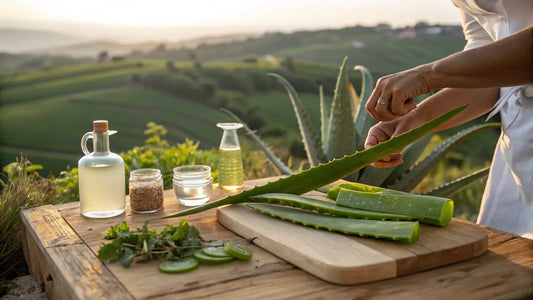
(192, 172)
(145, 174)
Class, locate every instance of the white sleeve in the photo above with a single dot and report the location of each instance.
(475, 34)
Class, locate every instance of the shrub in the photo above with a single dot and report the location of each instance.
(23, 188)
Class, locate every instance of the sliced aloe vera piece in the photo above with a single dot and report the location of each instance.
(212, 260)
(406, 231)
(215, 251)
(427, 209)
(324, 207)
(237, 251)
(179, 266)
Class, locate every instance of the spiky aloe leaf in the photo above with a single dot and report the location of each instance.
(341, 131)
(451, 188)
(411, 155)
(312, 148)
(410, 180)
(316, 177)
(283, 169)
(387, 176)
(325, 110)
(364, 121)
(401, 231)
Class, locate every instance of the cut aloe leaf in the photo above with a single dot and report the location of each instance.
(393, 230)
(427, 209)
(179, 266)
(324, 207)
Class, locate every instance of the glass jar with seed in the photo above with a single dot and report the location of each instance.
(146, 190)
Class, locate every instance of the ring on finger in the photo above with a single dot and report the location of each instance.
(382, 101)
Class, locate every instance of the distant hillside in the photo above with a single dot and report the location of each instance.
(381, 49)
(20, 40)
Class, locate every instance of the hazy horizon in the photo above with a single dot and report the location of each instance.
(138, 21)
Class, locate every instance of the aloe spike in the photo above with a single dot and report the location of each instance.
(322, 206)
(420, 170)
(316, 177)
(364, 121)
(283, 169)
(405, 231)
(325, 107)
(312, 148)
(341, 131)
(451, 188)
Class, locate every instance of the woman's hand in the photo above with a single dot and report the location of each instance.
(394, 94)
(384, 131)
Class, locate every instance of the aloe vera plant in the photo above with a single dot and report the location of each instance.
(344, 127)
(323, 174)
(402, 231)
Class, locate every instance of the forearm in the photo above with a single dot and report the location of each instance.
(480, 101)
(506, 62)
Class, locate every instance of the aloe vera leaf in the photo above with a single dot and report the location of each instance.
(364, 121)
(410, 156)
(427, 209)
(411, 179)
(451, 188)
(312, 148)
(387, 176)
(283, 169)
(401, 231)
(325, 110)
(341, 131)
(322, 206)
(316, 177)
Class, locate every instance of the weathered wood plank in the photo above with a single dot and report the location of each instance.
(58, 257)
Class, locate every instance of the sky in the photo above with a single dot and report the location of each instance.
(224, 15)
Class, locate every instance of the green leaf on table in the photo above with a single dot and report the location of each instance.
(127, 257)
(111, 251)
(113, 232)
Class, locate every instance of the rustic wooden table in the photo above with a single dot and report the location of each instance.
(60, 247)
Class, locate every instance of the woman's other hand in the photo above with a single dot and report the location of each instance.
(394, 94)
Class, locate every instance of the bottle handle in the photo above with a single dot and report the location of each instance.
(84, 139)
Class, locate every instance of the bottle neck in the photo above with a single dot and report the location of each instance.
(100, 142)
(230, 139)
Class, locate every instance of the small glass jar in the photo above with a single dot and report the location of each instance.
(146, 190)
(193, 184)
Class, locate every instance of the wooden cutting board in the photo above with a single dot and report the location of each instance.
(344, 259)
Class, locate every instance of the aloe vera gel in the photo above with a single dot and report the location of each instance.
(102, 179)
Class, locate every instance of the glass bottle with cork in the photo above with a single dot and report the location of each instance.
(102, 178)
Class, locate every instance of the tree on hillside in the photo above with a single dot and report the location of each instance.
(103, 56)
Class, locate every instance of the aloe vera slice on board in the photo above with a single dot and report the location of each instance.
(321, 175)
(427, 209)
(324, 207)
(406, 231)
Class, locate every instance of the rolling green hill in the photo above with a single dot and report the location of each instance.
(44, 114)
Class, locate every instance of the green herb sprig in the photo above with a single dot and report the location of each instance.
(173, 243)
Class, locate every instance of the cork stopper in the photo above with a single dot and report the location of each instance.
(100, 126)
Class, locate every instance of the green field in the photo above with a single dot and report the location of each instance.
(44, 115)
